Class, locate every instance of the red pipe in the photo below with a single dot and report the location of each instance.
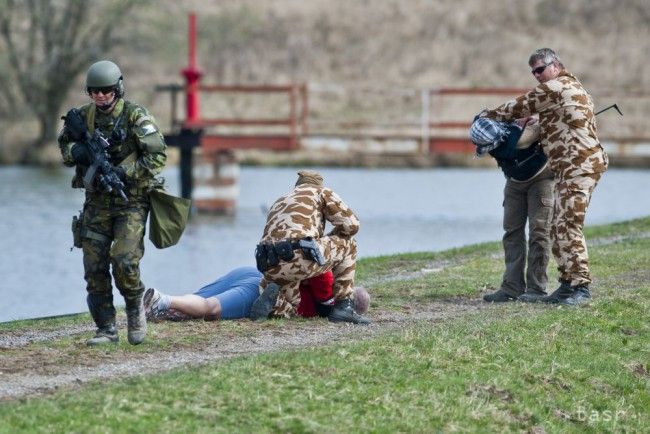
(192, 76)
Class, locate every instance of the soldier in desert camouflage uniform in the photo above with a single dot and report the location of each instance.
(300, 216)
(113, 228)
(568, 137)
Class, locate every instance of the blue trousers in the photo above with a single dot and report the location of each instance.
(236, 292)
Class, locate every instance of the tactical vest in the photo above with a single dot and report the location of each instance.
(519, 164)
(115, 126)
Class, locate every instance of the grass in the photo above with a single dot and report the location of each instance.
(512, 368)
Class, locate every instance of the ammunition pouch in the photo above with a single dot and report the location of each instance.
(268, 255)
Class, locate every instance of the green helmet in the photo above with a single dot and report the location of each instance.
(105, 74)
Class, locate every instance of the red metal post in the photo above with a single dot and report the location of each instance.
(192, 76)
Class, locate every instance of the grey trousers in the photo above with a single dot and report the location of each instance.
(529, 201)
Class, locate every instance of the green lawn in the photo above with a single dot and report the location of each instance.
(513, 368)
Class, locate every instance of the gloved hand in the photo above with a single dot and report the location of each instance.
(81, 155)
(75, 125)
(121, 173)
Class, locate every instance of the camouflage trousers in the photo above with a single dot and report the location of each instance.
(113, 237)
(571, 199)
(340, 256)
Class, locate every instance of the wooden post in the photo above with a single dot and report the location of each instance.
(425, 98)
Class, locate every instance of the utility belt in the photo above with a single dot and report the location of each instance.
(269, 255)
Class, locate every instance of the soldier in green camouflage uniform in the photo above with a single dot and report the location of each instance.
(113, 228)
(568, 137)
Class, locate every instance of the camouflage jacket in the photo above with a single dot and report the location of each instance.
(136, 142)
(302, 213)
(567, 125)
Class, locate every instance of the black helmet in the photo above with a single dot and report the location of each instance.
(105, 74)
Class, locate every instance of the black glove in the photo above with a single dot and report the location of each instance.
(121, 173)
(81, 155)
(75, 125)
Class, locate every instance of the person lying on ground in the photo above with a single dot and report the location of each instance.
(234, 295)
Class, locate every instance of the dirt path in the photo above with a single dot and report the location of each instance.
(27, 369)
(34, 362)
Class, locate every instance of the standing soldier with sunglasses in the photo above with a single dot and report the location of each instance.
(568, 137)
(112, 227)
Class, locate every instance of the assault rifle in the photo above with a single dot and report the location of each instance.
(100, 172)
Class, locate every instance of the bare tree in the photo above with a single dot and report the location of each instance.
(46, 44)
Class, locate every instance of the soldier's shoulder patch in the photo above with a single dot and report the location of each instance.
(148, 129)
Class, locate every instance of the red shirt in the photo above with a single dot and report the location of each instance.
(314, 290)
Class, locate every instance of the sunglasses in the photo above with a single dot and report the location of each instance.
(539, 69)
(102, 90)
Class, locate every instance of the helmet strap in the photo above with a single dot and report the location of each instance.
(108, 106)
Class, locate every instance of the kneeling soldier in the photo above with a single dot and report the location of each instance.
(294, 248)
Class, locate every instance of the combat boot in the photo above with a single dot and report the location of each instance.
(107, 335)
(342, 311)
(500, 296)
(532, 296)
(103, 312)
(562, 295)
(135, 320)
(263, 306)
(581, 294)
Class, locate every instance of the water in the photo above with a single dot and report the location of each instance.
(400, 211)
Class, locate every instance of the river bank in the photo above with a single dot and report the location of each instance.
(435, 357)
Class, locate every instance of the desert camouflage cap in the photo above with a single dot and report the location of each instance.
(309, 177)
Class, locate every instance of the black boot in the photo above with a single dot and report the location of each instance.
(500, 296)
(562, 295)
(103, 313)
(532, 296)
(135, 320)
(263, 306)
(344, 312)
(581, 294)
